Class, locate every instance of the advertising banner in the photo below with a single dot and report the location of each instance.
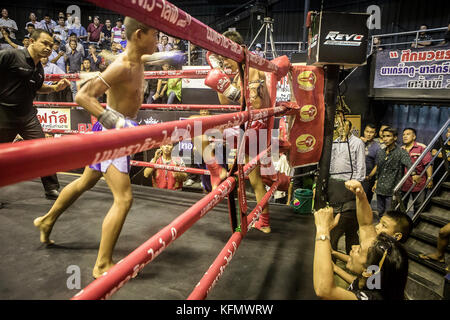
(54, 118)
(306, 135)
(425, 68)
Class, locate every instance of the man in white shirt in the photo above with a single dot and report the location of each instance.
(34, 22)
(348, 162)
(49, 68)
(62, 29)
(58, 56)
(48, 24)
(9, 25)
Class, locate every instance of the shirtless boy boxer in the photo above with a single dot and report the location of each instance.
(122, 81)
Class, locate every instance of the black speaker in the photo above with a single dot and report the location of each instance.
(338, 38)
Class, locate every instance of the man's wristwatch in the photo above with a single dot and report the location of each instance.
(323, 237)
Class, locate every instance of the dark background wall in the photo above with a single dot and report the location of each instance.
(396, 15)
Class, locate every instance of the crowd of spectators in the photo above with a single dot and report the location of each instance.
(74, 44)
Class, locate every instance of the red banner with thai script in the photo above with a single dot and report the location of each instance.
(306, 134)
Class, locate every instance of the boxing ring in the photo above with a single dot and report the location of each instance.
(75, 151)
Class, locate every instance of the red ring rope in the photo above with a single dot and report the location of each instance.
(214, 272)
(106, 285)
(188, 73)
(178, 107)
(169, 168)
(80, 150)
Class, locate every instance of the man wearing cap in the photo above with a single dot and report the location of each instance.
(258, 50)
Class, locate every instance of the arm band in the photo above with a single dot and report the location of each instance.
(104, 81)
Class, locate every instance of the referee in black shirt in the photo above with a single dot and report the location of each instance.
(22, 76)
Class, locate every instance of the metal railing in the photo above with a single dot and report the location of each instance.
(407, 33)
(399, 197)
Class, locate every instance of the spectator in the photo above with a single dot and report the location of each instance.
(423, 40)
(105, 35)
(372, 147)
(394, 223)
(78, 29)
(161, 87)
(49, 68)
(34, 22)
(164, 45)
(380, 136)
(179, 44)
(123, 41)
(62, 29)
(196, 55)
(258, 50)
(442, 243)
(30, 28)
(80, 48)
(173, 89)
(94, 58)
(69, 21)
(61, 15)
(86, 65)
(9, 25)
(116, 32)
(389, 169)
(383, 253)
(74, 60)
(58, 56)
(115, 48)
(8, 42)
(94, 30)
(110, 55)
(165, 179)
(377, 44)
(414, 150)
(152, 84)
(347, 162)
(48, 24)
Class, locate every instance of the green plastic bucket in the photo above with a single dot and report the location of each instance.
(302, 201)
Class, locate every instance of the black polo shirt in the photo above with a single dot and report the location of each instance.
(19, 81)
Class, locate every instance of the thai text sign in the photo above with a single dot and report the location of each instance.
(425, 68)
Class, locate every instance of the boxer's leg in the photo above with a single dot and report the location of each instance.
(257, 184)
(120, 186)
(67, 196)
(218, 173)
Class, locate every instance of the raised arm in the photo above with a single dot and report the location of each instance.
(363, 211)
(323, 273)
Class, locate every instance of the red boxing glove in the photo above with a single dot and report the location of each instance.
(283, 65)
(213, 60)
(219, 81)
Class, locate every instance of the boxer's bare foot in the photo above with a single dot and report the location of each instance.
(99, 270)
(45, 230)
